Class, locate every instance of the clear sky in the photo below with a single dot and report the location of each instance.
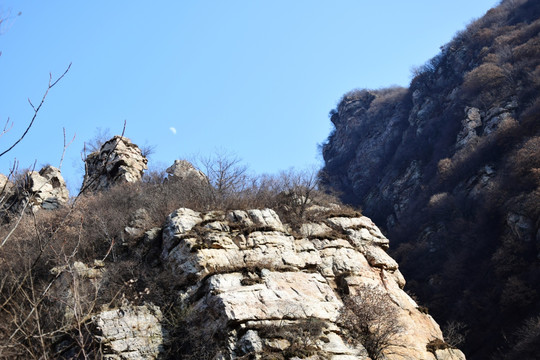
(254, 77)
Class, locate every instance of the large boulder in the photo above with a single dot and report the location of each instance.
(47, 188)
(44, 189)
(246, 287)
(183, 170)
(118, 161)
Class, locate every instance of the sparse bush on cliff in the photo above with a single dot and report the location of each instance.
(301, 336)
(454, 333)
(226, 173)
(370, 318)
(485, 84)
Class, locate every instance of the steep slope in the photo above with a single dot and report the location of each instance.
(450, 168)
(256, 289)
(171, 268)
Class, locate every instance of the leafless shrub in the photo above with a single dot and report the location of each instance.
(188, 337)
(524, 343)
(526, 159)
(441, 204)
(527, 337)
(370, 319)
(225, 172)
(438, 199)
(40, 307)
(147, 150)
(445, 168)
(454, 333)
(154, 176)
(101, 136)
(385, 98)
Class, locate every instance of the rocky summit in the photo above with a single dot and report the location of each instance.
(117, 161)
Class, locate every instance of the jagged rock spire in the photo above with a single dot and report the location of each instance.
(117, 161)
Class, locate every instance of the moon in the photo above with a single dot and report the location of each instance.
(173, 130)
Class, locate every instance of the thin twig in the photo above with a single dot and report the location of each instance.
(65, 147)
(36, 109)
(6, 129)
(16, 224)
(42, 297)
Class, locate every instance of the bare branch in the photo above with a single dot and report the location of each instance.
(6, 129)
(36, 109)
(65, 147)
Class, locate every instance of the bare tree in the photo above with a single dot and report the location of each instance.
(225, 172)
(370, 318)
(454, 333)
(299, 188)
(101, 136)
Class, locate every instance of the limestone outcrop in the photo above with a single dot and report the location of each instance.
(131, 332)
(233, 284)
(44, 189)
(244, 275)
(183, 170)
(47, 188)
(117, 161)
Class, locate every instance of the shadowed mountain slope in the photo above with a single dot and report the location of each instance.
(450, 170)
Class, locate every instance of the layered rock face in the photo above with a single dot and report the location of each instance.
(247, 278)
(247, 286)
(449, 169)
(118, 161)
(131, 332)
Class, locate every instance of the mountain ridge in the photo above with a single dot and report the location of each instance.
(449, 168)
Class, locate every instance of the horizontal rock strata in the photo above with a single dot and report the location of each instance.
(243, 272)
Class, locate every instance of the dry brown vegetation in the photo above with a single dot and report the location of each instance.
(370, 318)
(60, 267)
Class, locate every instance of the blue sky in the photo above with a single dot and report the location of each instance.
(256, 78)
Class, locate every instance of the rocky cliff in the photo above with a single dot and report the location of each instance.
(33, 190)
(248, 288)
(248, 281)
(449, 168)
(117, 161)
(109, 277)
